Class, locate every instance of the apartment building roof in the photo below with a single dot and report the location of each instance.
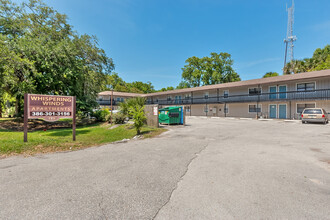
(252, 82)
(269, 80)
(121, 94)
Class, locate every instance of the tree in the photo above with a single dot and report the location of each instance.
(323, 65)
(136, 101)
(138, 115)
(319, 61)
(166, 89)
(118, 84)
(141, 86)
(135, 108)
(41, 53)
(113, 81)
(270, 74)
(193, 71)
(209, 70)
(183, 85)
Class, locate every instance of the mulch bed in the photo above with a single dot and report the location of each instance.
(36, 124)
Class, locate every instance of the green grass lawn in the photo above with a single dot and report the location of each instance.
(11, 142)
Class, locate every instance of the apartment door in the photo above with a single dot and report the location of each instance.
(272, 111)
(282, 111)
(178, 99)
(272, 92)
(282, 90)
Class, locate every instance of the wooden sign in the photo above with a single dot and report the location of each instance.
(49, 108)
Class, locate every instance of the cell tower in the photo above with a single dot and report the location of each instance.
(289, 35)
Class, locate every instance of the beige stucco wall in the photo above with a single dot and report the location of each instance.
(323, 83)
(242, 109)
(325, 104)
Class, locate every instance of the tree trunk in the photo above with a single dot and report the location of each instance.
(16, 107)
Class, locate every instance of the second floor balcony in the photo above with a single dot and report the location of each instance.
(108, 102)
(321, 94)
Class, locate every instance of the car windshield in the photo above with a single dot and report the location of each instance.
(312, 111)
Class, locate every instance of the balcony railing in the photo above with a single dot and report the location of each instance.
(108, 102)
(320, 94)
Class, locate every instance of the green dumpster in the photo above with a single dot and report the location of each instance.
(170, 115)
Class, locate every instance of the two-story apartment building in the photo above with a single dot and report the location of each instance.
(274, 97)
(104, 98)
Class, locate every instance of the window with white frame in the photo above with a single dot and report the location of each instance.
(254, 108)
(206, 95)
(169, 98)
(187, 96)
(225, 93)
(187, 108)
(255, 91)
(302, 106)
(118, 99)
(302, 87)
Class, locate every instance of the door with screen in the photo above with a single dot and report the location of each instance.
(282, 92)
(272, 111)
(282, 111)
(272, 92)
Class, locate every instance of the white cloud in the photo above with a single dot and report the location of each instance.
(322, 26)
(257, 62)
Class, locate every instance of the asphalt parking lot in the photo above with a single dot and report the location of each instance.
(210, 169)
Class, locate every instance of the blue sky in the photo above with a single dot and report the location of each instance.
(149, 40)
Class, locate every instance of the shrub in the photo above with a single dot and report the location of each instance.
(81, 115)
(137, 113)
(125, 106)
(119, 118)
(101, 115)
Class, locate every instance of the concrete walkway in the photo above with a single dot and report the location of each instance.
(210, 169)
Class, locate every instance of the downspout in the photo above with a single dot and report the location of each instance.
(192, 101)
(225, 110)
(290, 110)
(206, 110)
(258, 100)
(217, 114)
(205, 105)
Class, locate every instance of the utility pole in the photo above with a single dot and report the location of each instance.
(290, 38)
(111, 106)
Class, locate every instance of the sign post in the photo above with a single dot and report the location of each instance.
(50, 108)
(111, 106)
(25, 116)
(74, 119)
